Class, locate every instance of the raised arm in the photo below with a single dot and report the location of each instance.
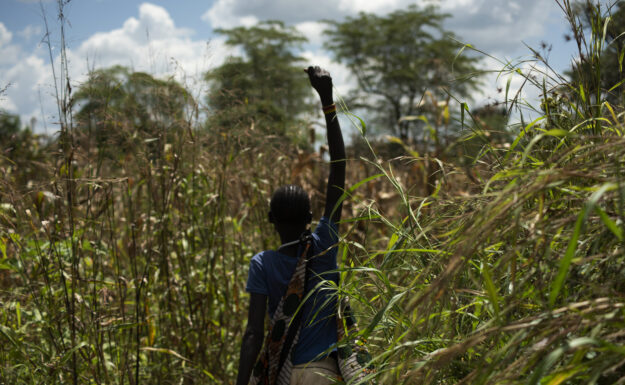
(321, 81)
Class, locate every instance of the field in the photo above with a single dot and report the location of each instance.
(494, 258)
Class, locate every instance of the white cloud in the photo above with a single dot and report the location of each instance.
(31, 31)
(313, 31)
(24, 80)
(221, 15)
(149, 42)
(7, 105)
(231, 13)
(5, 36)
(497, 26)
(19, 73)
(9, 52)
(376, 6)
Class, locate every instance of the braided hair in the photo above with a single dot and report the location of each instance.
(290, 204)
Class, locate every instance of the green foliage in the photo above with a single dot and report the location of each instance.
(22, 153)
(487, 130)
(139, 278)
(9, 126)
(510, 275)
(119, 109)
(508, 270)
(264, 87)
(397, 58)
(600, 67)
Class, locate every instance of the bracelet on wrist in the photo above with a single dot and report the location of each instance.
(329, 109)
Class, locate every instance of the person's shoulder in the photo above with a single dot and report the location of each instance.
(326, 221)
(326, 225)
(261, 258)
(326, 231)
(262, 262)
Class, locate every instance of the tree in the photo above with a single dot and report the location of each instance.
(396, 59)
(9, 127)
(120, 108)
(22, 152)
(265, 88)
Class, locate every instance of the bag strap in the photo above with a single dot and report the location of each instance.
(297, 319)
(273, 365)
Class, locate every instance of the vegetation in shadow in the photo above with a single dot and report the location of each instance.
(492, 256)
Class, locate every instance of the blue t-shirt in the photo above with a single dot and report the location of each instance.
(270, 273)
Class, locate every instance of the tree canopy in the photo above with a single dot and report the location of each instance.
(265, 86)
(9, 126)
(22, 152)
(396, 58)
(117, 105)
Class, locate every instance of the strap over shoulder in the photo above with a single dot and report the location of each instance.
(304, 238)
(274, 365)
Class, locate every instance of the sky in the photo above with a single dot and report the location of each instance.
(176, 38)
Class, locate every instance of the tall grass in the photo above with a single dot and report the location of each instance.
(128, 268)
(517, 276)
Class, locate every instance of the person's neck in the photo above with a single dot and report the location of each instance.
(290, 235)
(290, 232)
(289, 249)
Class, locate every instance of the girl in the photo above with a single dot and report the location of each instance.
(307, 359)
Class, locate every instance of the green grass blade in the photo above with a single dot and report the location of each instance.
(609, 223)
(490, 289)
(565, 263)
